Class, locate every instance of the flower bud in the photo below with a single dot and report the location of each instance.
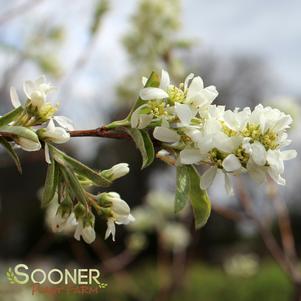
(79, 211)
(28, 145)
(116, 172)
(54, 133)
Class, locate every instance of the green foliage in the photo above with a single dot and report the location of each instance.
(20, 131)
(202, 282)
(11, 152)
(144, 144)
(51, 182)
(9, 117)
(188, 188)
(182, 186)
(80, 168)
(199, 199)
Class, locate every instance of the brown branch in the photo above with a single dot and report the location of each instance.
(267, 236)
(99, 132)
(7, 135)
(284, 223)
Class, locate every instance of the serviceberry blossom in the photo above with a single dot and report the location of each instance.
(229, 142)
(120, 212)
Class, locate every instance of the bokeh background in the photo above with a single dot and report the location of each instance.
(95, 52)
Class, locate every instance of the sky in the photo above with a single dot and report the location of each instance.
(270, 29)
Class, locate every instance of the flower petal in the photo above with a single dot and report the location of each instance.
(190, 156)
(288, 154)
(188, 78)
(28, 88)
(164, 81)
(14, 98)
(228, 184)
(231, 163)
(184, 113)
(166, 135)
(65, 122)
(208, 177)
(152, 93)
(195, 87)
(259, 154)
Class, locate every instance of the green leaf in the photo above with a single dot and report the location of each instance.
(79, 167)
(11, 152)
(182, 188)
(153, 81)
(73, 184)
(144, 144)
(199, 199)
(11, 116)
(21, 131)
(51, 183)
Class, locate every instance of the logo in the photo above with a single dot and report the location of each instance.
(56, 281)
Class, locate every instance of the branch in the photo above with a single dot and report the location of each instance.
(267, 236)
(99, 132)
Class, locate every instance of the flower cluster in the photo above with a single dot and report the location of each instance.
(66, 214)
(32, 126)
(36, 112)
(197, 132)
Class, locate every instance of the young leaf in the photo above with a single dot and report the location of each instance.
(11, 152)
(199, 199)
(21, 131)
(10, 116)
(144, 144)
(80, 168)
(74, 184)
(51, 183)
(182, 188)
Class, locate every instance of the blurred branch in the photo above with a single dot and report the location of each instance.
(18, 10)
(284, 223)
(269, 240)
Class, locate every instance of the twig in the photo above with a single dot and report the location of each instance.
(284, 224)
(99, 132)
(267, 236)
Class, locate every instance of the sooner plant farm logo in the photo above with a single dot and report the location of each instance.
(56, 281)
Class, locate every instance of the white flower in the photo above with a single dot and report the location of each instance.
(197, 95)
(36, 91)
(120, 211)
(139, 119)
(86, 232)
(116, 172)
(230, 164)
(55, 134)
(150, 93)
